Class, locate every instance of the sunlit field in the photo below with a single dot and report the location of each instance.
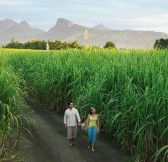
(129, 89)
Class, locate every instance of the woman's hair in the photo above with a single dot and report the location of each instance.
(91, 110)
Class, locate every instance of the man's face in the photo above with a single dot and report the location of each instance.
(71, 105)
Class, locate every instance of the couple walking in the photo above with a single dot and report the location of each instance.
(72, 120)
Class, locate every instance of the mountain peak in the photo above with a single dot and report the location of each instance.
(8, 21)
(63, 23)
(24, 22)
(101, 27)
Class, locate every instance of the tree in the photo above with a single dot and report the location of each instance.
(109, 45)
(65, 45)
(14, 44)
(35, 44)
(58, 45)
(51, 45)
(42, 45)
(74, 44)
(161, 44)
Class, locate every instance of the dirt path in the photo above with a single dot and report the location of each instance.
(48, 143)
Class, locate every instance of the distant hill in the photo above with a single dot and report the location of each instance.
(101, 27)
(66, 30)
(22, 31)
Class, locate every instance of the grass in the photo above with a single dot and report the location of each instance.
(11, 108)
(129, 89)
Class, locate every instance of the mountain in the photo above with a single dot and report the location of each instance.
(66, 30)
(22, 31)
(101, 27)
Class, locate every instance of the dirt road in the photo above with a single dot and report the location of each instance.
(48, 143)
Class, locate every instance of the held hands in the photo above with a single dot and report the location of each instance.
(65, 126)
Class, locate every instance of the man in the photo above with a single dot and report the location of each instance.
(71, 120)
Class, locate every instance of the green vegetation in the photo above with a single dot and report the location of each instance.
(42, 45)
(49, 45)
(161, 44)
(109, 45)
(11, 107)
(129, 89)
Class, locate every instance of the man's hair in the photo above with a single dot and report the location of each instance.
(70, 103)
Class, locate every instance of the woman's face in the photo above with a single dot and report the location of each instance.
(93, 111)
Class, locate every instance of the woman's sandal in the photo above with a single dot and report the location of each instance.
(93, 150)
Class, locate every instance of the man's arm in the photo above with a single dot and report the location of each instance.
(78, 116)
(65, 119)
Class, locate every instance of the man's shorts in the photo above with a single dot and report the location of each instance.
(71, 132)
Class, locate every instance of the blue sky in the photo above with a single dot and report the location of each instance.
(115, 14)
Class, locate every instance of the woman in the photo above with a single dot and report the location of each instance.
(92, 127)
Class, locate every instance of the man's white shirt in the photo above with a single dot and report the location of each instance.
(71, 117)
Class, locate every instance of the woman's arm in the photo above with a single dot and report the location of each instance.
(87, 121)
(98, 122)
